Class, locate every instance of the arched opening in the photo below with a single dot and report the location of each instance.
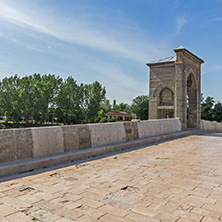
(191, 102)
(165, 104)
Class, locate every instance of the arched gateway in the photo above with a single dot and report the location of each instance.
(175, 88)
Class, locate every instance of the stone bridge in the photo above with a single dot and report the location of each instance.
(27, 149)
(179, 179)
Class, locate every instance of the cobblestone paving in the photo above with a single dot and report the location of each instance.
(178, 180)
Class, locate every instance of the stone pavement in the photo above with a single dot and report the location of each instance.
(178, 180)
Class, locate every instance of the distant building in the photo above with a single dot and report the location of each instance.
(118, 115)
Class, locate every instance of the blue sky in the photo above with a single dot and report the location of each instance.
(109, 40)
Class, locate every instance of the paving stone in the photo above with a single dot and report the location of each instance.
(139, 217)
(113, 210)
(63, 220)
(45, 216)
(178, 180)
(206, 213)
(19, 217)
(110, 217)
(6, 210)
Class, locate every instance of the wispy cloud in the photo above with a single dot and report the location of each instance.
(180, 22)
(78, 31)
(216, 19)
(217, 67)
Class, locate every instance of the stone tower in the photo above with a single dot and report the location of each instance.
(175, 88)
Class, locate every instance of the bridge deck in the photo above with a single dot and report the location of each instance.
(178, 180)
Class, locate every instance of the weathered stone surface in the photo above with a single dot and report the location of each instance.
(157, 127)
(173, 84)
(211, 126)
(47, 140)
(219, 127)
(107, 133)
(131, 131)
(76, 137)
(84, 136)
(70, 137)
(7, 146)
(46, 161)
(145, 128)
(24, 143)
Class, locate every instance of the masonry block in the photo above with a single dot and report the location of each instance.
(131, 131)
(70, 137)
(84, 136)
(145, 128)
(107, 133)
(24, 143)
(7, 146)
(47, 140)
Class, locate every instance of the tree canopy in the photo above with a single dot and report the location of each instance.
(210, 110)
(49, 98)
(140, 106)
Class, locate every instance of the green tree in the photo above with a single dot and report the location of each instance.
(217, 112)
(9, 98)
(51, 87)
(140, 106)
(105, 105)
(69, 102)
(207, 112)
(47, 97)
(123, 107)
(94, 95)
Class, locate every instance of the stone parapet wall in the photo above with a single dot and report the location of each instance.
(19, 144)
(211, 126)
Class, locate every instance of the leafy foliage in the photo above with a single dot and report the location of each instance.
(140, 106)
(210, 110)
(47, 98)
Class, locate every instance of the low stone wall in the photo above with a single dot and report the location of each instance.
(17, 144)
(211, 126)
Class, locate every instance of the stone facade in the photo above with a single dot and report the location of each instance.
(175, 88)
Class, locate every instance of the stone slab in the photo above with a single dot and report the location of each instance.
(84, 135)
(70, 137)
(7, 146)
(219, 127)
(24, 143)
(145, 128)
(211, 126)
(131, 131)
(107, 133)
(47, 140)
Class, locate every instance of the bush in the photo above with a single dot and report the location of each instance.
(98, 118)
(103, 120)
(113, 119)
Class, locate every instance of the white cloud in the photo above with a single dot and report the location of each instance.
(217, 67)
(80, 31)
(121, 84)
(216, 19)
(180, 22)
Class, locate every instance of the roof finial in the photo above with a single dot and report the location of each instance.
(179, 48)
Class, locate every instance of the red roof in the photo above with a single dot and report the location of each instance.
(121, 114)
